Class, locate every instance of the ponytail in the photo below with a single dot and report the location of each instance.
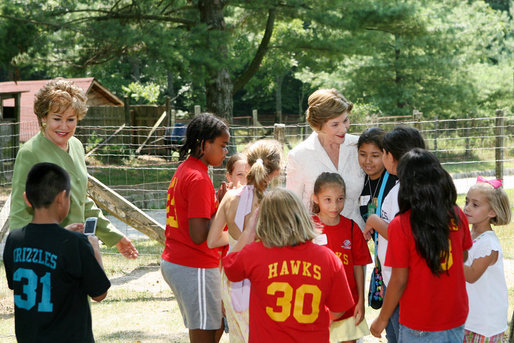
(264, 158)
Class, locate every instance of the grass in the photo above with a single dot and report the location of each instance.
(138, 308)
(141, 308)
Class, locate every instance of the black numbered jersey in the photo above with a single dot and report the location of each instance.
(52, 271)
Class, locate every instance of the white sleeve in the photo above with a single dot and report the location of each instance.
(294, 178)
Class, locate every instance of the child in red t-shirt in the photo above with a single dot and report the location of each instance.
(189, 267)
(345, 239)
(428, 243)
(294, 281)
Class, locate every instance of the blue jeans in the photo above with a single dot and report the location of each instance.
(455, 335)
(393, 326)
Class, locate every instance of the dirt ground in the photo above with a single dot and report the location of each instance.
(150, 280)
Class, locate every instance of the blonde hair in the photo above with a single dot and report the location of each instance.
(498, 200)
(283, 220)
(57, 95)
(264, 157)
(326, 104)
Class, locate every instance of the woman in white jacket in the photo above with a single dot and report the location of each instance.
(328, 149)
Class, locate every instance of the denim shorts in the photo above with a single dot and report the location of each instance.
(455, 335)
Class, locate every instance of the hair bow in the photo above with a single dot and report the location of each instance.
(496, 183)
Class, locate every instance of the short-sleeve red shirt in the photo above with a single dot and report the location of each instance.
(292, 289)
(348, 244)
(190, 195)
(430, 302)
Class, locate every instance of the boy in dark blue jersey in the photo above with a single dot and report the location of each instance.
(51, 270)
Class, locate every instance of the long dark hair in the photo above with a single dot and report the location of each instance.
(428, 191)
(204, 127)
(401, 139)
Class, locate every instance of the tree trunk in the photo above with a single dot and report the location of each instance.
(218, 84)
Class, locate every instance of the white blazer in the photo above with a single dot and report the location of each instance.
(309, 159)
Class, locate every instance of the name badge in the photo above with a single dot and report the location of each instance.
(364, 199)
(321, 239)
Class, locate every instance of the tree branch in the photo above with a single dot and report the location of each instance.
(243, 79)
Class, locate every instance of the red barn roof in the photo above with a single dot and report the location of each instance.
(97, 95)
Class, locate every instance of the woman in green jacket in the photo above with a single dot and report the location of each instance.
(59, 105)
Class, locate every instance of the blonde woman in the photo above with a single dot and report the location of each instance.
(237, 206)
(294, 281)
(59, 106)
(328, 149)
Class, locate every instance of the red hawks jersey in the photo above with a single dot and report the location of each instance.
(190, 195)
(347, 242)
(292, 290)
(430, 302)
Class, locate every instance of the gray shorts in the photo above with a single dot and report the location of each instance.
(198, 294)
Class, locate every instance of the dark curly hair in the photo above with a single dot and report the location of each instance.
(204, 127)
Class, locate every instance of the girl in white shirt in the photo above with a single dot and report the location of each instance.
(486, 204)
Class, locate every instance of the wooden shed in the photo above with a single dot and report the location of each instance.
(98, 96)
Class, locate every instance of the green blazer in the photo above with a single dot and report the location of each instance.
(41, 149)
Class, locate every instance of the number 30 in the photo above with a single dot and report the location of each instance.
(30, 290)
(284, 302)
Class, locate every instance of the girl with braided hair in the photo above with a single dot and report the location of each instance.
(188, 265)
(236, 208)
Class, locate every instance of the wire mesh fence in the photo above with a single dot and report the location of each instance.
(138, 162)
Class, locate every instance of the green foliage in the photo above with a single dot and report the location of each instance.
(142, 93)
(442, 58)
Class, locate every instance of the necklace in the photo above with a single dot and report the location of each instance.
(376, 187)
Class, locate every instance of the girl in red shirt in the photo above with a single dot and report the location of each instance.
(189, 267)
(428, 243)
(294, 281)
(345, 239)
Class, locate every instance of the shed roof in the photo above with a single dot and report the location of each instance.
(96, 92)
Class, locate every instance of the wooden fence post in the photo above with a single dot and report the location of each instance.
(416, 115)
(128, 122)
(500, 142)
(467, 140)
(436, 133)
(4, 218)
(279, 133)
(254, 123)
(168, 110)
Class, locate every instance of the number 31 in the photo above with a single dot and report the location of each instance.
(30, 290)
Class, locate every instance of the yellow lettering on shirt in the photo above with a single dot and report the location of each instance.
(453, 226)
(306, 266)
(272, 268)
(295, 266)
(317, 272)
(345, 259)
(284, 270)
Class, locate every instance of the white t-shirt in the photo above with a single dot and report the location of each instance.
(488, 296)
(388, 211)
